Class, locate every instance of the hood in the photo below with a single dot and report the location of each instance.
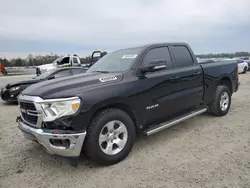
(24, 82)
(71, 85)
(46, 66)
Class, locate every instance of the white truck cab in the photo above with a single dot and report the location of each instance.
(70, 61)
(65, 61)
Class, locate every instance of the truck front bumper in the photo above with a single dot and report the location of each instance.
(8, 95)
(51, 141)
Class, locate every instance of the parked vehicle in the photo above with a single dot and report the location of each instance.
(69, 61)
(127, 92)
(3, 70)
(242, 66)
(11, 91)
(66, 61)
(206, 60)
(246, 59)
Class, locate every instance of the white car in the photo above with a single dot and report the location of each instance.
(242, 66)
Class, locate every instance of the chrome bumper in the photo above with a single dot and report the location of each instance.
(75, 140)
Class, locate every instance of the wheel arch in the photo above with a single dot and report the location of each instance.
(118, 105)
(225, 80)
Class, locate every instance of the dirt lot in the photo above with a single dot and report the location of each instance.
(205, 151)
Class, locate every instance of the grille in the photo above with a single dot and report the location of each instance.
(38, 71)
(29, 113)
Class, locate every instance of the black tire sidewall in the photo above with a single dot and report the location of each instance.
(220, 90)
(245, 70)
(114, 114)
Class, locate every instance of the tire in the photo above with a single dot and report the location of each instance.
(245, 70)
(95, 149)
(215, 107)
(4, 72)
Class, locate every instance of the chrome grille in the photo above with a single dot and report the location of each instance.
(38, 71)
(29, 112)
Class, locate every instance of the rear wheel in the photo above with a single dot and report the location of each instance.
(110, 137)
(244, 70)
(222, 101)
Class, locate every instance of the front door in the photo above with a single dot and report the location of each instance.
(151, 101)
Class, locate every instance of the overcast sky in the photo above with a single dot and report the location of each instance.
(80, 26)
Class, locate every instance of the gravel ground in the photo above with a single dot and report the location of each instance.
(204, 151)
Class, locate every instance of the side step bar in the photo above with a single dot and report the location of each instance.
(174, 121)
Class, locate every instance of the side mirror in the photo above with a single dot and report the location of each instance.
(51, 77)
(154, 66)
(89, 65)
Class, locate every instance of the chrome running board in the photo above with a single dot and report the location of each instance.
(174, 121)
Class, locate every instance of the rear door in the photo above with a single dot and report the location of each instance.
(187, 79)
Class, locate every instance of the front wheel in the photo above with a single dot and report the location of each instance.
(110, 137)
(222, 101)
(4, 72)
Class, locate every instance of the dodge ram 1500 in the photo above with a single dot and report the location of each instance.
(137, 90)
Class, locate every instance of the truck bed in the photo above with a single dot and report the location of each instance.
(215, 71)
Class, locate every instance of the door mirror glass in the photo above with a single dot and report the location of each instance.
(154, 66)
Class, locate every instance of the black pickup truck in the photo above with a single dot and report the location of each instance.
(127, 92)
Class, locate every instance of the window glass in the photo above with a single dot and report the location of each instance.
(182, 56)
(75, 61)
(62, 73)
(64, 61)
(117, 61)
(157, 54)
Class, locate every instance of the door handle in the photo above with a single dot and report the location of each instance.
(174, 78)
(196, 73)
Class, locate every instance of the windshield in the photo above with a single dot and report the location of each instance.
(56, 60)
(45, 75)
(118, 61)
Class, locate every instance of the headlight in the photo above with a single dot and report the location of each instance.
(15, 88)
(59, 108)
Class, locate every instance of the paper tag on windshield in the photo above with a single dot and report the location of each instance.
(132, 56)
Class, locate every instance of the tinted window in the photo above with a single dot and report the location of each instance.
(182, 56)
(64, 61)
(157, 54)
(78, 71)
(62, 73)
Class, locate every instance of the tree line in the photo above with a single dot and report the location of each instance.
(225, 55)
(31, 60)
